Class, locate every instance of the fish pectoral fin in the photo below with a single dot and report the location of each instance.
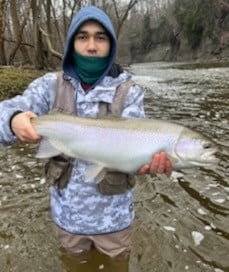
(46, 150)
(172, 159)
(95, 173)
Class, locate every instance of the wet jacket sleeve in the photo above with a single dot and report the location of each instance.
(38, 98)
(134, 103)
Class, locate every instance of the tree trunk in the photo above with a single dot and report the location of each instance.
(37, 39)
(2, 48)
(18, 32)
(49, 30)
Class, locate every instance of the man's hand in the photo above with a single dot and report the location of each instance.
(160, 164)
(22, 127)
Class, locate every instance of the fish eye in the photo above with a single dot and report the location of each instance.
(207, 145)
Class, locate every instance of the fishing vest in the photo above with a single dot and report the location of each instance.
(58, 169)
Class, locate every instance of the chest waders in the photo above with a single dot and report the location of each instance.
(58, 169)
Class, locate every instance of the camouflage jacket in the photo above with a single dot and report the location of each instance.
(80, 208)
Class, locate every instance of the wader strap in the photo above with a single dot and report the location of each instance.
(117, 105)
(65, 95)
(65, 98)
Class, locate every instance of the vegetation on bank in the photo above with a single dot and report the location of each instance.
(15, 80)
(188, 29)
(196, 19)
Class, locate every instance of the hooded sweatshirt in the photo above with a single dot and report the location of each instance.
(80, 208)
(84, 15)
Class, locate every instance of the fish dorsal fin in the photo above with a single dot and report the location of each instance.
(46, 150)
(95, 173)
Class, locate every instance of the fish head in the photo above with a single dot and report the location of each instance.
(194, 149)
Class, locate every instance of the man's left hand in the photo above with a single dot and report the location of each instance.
(160, 164)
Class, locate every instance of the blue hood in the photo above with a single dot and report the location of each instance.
(86, 14)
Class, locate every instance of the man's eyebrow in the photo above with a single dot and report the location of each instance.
(102, 33)
(98, 32)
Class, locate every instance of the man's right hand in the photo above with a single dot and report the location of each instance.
(22, 127)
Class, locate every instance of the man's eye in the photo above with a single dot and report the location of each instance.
(81, 37)
(102, 37)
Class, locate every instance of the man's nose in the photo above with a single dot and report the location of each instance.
(91, 44)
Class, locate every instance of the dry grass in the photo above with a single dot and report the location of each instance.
(13, 81)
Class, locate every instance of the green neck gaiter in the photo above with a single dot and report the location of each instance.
(89, 69)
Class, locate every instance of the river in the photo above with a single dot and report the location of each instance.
(181, 224)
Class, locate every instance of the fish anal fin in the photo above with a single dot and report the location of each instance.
(46, 150)
(95, 173)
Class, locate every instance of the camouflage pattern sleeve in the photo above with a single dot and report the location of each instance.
(38, 98)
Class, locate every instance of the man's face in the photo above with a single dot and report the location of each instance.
(92, 40)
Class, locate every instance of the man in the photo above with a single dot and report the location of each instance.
(85, 214)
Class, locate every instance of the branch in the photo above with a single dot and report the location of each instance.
(13, 41)
(222, 2)
(53, 51)
(131, 4)
(121, 21)
(116, 10)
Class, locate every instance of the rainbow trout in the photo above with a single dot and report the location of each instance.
(120, 144)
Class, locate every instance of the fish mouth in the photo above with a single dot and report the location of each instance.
(205, 163)
(210, 153)
(208, 158)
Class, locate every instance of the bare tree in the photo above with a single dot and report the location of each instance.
(18, 31)
(49, 44)
(49, 24)
(56, 27)
(70, 7)
(37, 39)
(42, 35)
(122, 17)
(2, 48)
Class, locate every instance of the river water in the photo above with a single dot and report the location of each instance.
(181, 224)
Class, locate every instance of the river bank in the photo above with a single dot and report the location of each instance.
(14, 80)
